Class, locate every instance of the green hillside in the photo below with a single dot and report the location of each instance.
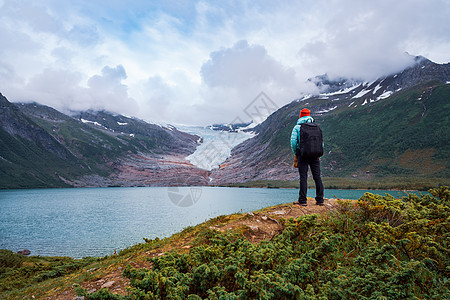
(139, 135)
(93, 146)
(389, 137)
(28, 163)
(29, 156)
(23, 164)
(398, 136)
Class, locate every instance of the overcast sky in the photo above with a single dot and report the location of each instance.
(203, 62)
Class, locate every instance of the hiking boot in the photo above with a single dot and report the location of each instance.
(300, 203)
(320, 203)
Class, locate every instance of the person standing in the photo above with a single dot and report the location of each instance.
(307, 145)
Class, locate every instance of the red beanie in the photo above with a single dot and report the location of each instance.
(305, 112)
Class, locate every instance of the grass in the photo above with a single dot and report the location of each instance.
(367, 183)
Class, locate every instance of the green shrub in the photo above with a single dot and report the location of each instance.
(9, 259)
(377, 247)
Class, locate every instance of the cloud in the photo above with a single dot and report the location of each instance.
(233, 77)
(63, 90)
(107, 91)
(31, 16)
(201, 61)
(84, 35)
(173, 100)
(243, 65)
(370, 39)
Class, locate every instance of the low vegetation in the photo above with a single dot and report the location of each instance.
(18, 272)
(377, 247)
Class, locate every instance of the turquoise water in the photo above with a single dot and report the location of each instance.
(98, 221)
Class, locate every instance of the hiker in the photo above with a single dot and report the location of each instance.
(307, 152)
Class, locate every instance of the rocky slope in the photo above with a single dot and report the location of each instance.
(394, 126)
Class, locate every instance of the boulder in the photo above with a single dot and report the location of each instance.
(24, 252)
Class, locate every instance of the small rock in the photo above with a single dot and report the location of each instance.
(253, 227)
(108, 284)
(186, 247)
(264, 218)
(279, 212)
(92, 290)
(24, 252)
(251, 214)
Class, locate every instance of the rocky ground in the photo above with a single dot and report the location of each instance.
(252, 170)
(144, 169)
(164, 170)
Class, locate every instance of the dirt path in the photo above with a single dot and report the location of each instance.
(264, 224)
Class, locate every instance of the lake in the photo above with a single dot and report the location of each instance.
(97, 221)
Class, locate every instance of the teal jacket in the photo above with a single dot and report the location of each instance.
(296, 131)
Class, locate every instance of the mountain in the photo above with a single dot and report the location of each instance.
(397, 125)
(235, 127)
(41, 147)
(394, 126)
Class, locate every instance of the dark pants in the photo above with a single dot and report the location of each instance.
(303, 171)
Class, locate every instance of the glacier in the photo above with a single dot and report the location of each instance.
(215, 147)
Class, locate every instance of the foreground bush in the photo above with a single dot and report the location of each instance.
(374, 248)
(18, 272)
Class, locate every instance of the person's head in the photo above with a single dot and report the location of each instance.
(304, 112)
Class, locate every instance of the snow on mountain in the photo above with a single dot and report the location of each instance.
(235, 127)
(361, 93)
(91, 122)
(342, 91)
(247, 128)
(352, 93)
(385, 95)
(327, 110)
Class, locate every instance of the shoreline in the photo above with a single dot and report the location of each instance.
(334, 183)
(331, 197)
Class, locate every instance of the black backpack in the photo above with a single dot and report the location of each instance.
(311, 145)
